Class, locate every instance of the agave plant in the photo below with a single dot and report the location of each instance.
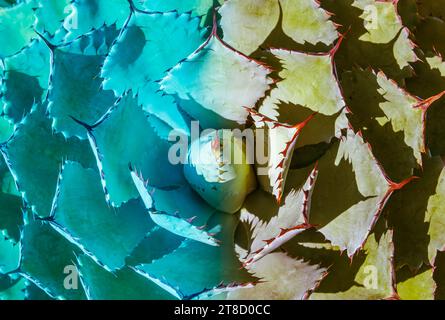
(344, 96)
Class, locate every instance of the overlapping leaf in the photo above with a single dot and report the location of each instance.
(196, 276)
(44, 256)
(216, 83)
(124, 136)
(125, 284)
(77, 91)
(79, 209)
(37, 180)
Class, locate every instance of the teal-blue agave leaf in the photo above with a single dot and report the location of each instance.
(10, 216)
(124, 284)
(87, 15)
(50, 15)
(37, 179)
(82, 215)
(33, 292)
(8, 185)
(124, 136)
(7, 3)
(8, 280)
(16, 28)
(14, 292)
(6, 128)
(156, 244)
(9, 255)
(76, 89)
(215, 84)
(178, 210)
(200, 8)
(25, 80)
(150, 45)
(45, 254)
(203, 267)
(164, 107)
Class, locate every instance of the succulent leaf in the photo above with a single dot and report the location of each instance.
(379, 259)
(205, 78)
(16, 33)
(124, 136)
(25, 80)
(31, 136)
(124, 284)
(9, 256)
(257, 18)
(87, 15)
(321, 94)
(192, 279)
(218, 169)
(77, 92)
(44, 256)
(79, 209)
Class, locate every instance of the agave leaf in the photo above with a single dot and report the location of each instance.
(378, 263)
(124, 284)
(409, 222)
(201, 8)
(7, 3)
(434, 129)
(416, 287)
(369, 115)
(200, 275)
(8, 280)
(77, 92)
(393, 57)
(322, 94)
(156, 244)
(383, 24)
(50, 14)
(25, 80)
(280, 141)
(349, 172)
(283, 278)
(321, 129)
(9, 255)
(218, 168)
(149, 46)
(11, 218)
(291, 219)
(6, 129)
(429, 34)
(79, 211)
(16, 292)
(215, 83)
(16, 33)
(179, 211)
(31, 136)
(304, 21)
(431, 8)
(87, 15)
(436, 62)
(44, 256)
(253, 17)
(124, 136)
(395, 119)
(400, 109)
(33, 292)
(165, 108)
(438, 275)
(435, 215)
